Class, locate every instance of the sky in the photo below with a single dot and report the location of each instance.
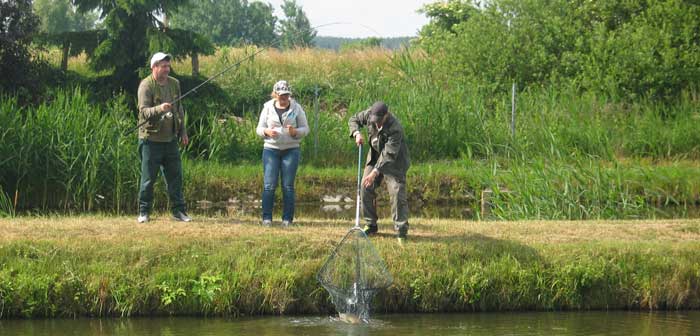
(362, 18)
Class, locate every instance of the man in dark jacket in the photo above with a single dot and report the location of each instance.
(387, 159)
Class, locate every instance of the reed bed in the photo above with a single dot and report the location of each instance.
(66, 153)
(573, 154)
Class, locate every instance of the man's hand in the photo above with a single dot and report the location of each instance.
(291, 130)
(165, 107)
(185, 140)
(368, 180)
(359, 140)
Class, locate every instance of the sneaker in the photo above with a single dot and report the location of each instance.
(402, 233)
(143, 217)
(181, 216)
(370, 229)
(286, 223)
(266, 223)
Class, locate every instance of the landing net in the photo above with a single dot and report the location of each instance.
(353, 274)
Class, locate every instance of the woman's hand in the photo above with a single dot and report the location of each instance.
(291, 130)
(270, 133)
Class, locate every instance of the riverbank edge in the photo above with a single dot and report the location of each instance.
(51, 267)
(619, 186)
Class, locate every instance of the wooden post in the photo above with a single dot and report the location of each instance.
(486, 202)
(195, 64)
(64, 56)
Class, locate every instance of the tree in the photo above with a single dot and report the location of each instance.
(133, 32)
(17, 25)
(445, 15)
(58, 16)
(295, 28)
(620, 48)
(228, 22)
(261, 23)
(360, 44)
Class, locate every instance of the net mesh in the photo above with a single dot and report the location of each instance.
(353, 274)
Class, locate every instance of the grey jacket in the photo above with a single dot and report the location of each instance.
(389, 153)
(295, 116)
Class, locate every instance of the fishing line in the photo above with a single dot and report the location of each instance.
(228, 68)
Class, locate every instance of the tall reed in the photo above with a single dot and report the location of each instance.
(447, 117)
(67, 152)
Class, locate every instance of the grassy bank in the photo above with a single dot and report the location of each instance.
(110, 266)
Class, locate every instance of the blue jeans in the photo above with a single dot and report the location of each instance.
(275, 163)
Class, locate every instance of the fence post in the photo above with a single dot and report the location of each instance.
(512, 113)
(316, 90)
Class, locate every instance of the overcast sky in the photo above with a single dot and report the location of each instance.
(363, 18)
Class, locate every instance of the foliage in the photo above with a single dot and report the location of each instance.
(371, 42)
(76, 42)
(616, 47)
(229, 22)
(59, 16)
(445, 15)
(134, 32)
(295, 29)
(17, 25)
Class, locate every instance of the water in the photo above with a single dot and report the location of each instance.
(548, 324)
(344, 211)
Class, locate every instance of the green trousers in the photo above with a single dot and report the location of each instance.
(163, 156)
(396, 185)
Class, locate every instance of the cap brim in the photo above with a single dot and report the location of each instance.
(284, 92)
(164, 57)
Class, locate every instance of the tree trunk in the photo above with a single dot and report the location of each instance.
(195, 64)
(166, 22)
(64, 57)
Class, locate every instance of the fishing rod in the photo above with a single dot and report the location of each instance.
(193, 90)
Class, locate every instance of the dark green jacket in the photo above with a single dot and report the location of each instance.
(149, 97)
(388, 151)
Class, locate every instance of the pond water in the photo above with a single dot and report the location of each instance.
(346, 210)
(538, 323)
(322, 210)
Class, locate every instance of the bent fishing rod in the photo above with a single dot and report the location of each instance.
(234, 65)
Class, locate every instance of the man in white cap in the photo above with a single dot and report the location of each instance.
(163, 126)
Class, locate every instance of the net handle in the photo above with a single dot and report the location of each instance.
(359, 181)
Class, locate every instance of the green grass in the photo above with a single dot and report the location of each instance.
(111, 266)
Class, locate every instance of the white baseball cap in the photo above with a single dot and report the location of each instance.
(159, 56)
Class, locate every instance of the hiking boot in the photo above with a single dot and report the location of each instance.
(370, 229)
(181, 216)
(143, 217)
(266, 223)
(286, 223)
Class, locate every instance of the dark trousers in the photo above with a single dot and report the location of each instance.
(396, 185)
(164, 156)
